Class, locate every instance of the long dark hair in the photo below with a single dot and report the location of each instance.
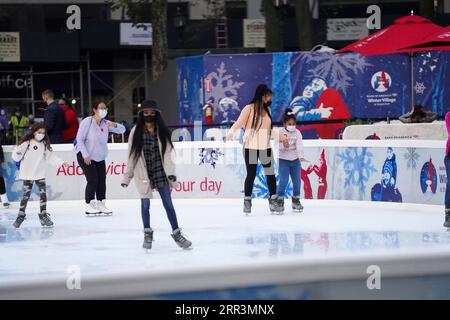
(164, 135)
(30, 135)
(258, 106)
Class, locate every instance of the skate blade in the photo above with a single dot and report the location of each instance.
(47, 227)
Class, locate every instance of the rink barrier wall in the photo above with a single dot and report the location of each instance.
(409, 171)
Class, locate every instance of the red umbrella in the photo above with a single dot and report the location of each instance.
(405, 32)
(437, 41)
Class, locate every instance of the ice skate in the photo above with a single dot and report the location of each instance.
(180, 240)
(5, 201)
(280, 204)
(92, 209)
(101, 205)
(19, 220)
(45, 220)
(296, 205)
(148, 239)
(273, 204)
(447, 218)
(247, 205)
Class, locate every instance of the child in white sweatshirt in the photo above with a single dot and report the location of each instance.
(33, 152)
(290, 157)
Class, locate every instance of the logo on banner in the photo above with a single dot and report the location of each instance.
(381, 81)
(428, 179)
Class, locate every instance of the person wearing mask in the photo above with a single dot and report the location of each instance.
(54, 118)
(70, 133)
(256, 120)
(150, 164)
(4, 125)
(18, 124)
(91, 148)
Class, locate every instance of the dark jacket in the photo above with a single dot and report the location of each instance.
(55, 122)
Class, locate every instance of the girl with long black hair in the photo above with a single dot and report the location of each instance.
(256, 120)
(150, 163)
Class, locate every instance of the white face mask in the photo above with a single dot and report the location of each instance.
(103, 113)
(290, 128)
(39, 136)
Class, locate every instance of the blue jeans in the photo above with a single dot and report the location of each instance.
(447, 189)
(168, 205)
(288, 168)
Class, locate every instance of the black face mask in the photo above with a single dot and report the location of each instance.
(267, 104)
(150, 119)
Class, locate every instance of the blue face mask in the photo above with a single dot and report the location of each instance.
(103, 113)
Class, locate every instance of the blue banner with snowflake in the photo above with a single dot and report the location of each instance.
(432, 80)
(316, 85)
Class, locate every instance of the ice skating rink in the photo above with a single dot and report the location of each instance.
(329, 251)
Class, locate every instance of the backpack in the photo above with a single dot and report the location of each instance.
(23, 156)
(28, 147)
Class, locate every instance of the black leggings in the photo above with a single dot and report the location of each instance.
(251, 157)
(96, 179)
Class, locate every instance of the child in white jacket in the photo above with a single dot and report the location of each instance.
(33, 152)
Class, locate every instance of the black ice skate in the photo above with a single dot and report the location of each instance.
(5, 205)
(296, 205)
(148, 239)
(273, 204)
(280, 204)
(247, 205)
(45, 220)
(19, 220)
(180, 240)
(447, 218)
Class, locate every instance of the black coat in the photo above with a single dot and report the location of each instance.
(55, 122)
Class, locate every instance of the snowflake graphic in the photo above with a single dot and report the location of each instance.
(337, 67)
(419, 87)
(210, 156)
(223, 86)
(358, 167)
(412, 157)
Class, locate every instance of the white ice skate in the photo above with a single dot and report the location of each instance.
(101, 205)
(92, 209)
(5, 201)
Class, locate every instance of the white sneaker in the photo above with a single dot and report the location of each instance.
(91, 208)
(102, 207)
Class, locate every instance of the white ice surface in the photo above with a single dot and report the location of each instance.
(222, 236)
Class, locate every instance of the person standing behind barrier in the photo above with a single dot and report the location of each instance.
(18, 124)
(91, 147)
(4, 125)
(151, 165)
(54, 118)
(447, 169)
(256, 120)
(70, 133)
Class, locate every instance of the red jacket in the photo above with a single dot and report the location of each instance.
(71, 130)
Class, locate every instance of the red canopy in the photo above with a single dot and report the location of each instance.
(403, 33)
(437, 41)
